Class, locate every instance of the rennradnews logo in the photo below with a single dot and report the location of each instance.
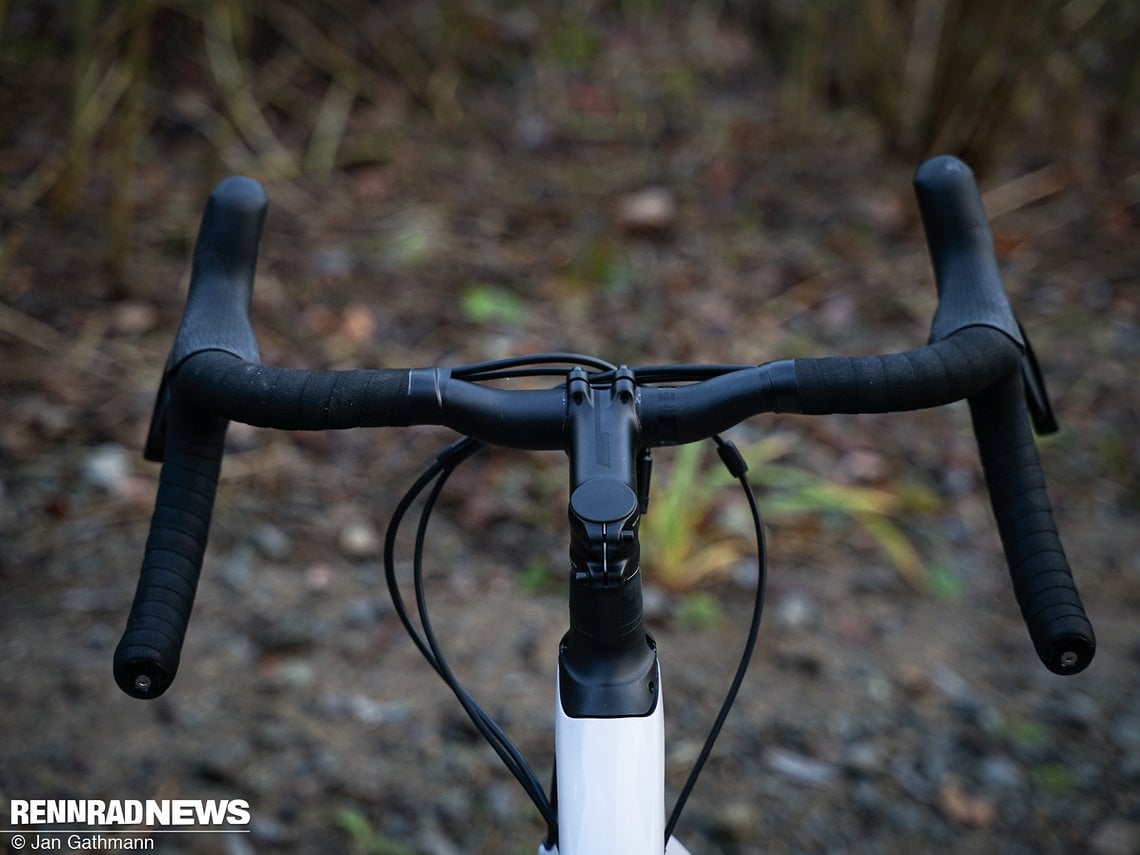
(149, 813)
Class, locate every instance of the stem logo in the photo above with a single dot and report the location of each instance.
(151, 813)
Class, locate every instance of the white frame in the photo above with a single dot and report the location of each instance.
(611, 784)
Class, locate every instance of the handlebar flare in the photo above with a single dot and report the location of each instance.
(976, 351)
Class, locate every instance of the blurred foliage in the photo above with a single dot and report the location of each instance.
(280, 89)
(363, 839)
(680, 544)
(1057, 779)
(483, 303)
(959, 76)
(698, 610)
(686, 538)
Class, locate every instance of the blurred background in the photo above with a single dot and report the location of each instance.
(646, 180)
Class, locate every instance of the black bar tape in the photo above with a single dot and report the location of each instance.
(290, 399)
(970, 292)
(146, 659)
(216, 317)
(930, 376)
(1053, 612)
(221, 279)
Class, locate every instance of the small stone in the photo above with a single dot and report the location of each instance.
(805, 656)
(319, 576)
(965, 808)
(734, 822)
(271, 541)
(432, 841)
(266, 829)
(951, 683)
(236, 844)
(236, 569)
(501, 801)
(109, 468)
(797, 767)
(650, 212)
(532, 132)
(287, 634)
(134, 317)
(372, 711)
(1000, 774)
(334, 262)
(359, 540)
(1125, 732)
(296, 673)
(796, 611)
(863, 758)
(224, 761)
(52, 421)
(1077, 710)
(1116, 837)
(358, 323)
(367, 612)
(273, 735)
(861, 466)
(913, 681)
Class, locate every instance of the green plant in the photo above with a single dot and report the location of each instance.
(680, 545)
(571, 40)
(943, 582)
(536, 577)
(363, 839)
(1055, 778)
(1026, 734)
(698, 610)
(483, 303)
(683, 543)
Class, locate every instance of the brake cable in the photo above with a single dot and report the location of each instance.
(439, 472)
(736, 466)
(437, 475)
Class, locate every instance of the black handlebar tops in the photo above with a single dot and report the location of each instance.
(977, 351)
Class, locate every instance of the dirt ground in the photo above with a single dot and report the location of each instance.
(886, 710)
